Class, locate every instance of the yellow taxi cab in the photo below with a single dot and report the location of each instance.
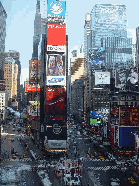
(132, 181)
(25, 156)
(91, 156)
(20, 156)
(13, 156)
(101, 158)
(17, 154)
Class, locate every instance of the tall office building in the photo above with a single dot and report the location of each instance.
(3, 17)
(106, 46)
(39, 26)
(37, 31)
(108, 30)
(137, 48)
(16, 56)
(10, 76)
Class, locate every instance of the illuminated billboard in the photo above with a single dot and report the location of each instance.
(111, 133)
(55, 104)
(120, 79)
(56, 37)
(56, 9)
(55, 72)
(34, 70)
(34, 108)
(102, 78)
(129, 116)
(32, 88)
(96, 54)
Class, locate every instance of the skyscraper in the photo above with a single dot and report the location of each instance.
(37, 31)
(16, 56)
(3, 17)
(108, 30)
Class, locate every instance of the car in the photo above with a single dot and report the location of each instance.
(13, 129)
(12, 140)
(13, 156)
(132, 181)
(19, 129)
(25, 156)
(17, 154)
(20, 156)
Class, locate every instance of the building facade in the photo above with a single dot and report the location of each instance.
(3, 17)
(16, 56)
(11, 77)
(3, 103)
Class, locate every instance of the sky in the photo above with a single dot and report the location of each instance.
(20, 24)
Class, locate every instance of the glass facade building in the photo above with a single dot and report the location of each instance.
(108, 30)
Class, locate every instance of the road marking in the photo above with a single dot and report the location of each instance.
(103, 168)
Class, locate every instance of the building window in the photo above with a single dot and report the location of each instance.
(126, 103)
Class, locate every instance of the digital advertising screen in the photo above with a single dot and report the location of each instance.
(55, 70)
(56, 9)
(129, 116)
(34, 71)
(96, 54)
(32, 88)
(33, 106)
(102, 78)
(56, 104)
(56, 37)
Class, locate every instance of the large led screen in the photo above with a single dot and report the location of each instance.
(56, 9)
(34, 71)
(129, 116)
(55, 71)
(96, 54)
(56, 37)
(102, 78)
(34, 108)
(55, 104)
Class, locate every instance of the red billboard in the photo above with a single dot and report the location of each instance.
(32, 88)
(129, 116)
(112, 134)
(55, 103)
(56, 37)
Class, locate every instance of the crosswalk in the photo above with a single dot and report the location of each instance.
(105, 168)
(23, 160)
(93, 159)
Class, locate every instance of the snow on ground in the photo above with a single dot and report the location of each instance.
(23, 167)
(8, 176)
(33, 154)
(44, 178)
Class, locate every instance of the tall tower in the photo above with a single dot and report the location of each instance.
(3, 17)
(37, 31)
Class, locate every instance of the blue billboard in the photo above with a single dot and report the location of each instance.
(127, 136)
(96, 54)
(56, 9)
(95, 115)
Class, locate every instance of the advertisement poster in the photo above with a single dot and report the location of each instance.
(129, 116)
(127, 136)
(55, 71)
(34, 71)
(56, 37)
(96, 54)
(56, 9)
(55, 103)
(33, 106)
(120, 79)
(102, 78)
(112, 134)
(32, 88)
(116, 135)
